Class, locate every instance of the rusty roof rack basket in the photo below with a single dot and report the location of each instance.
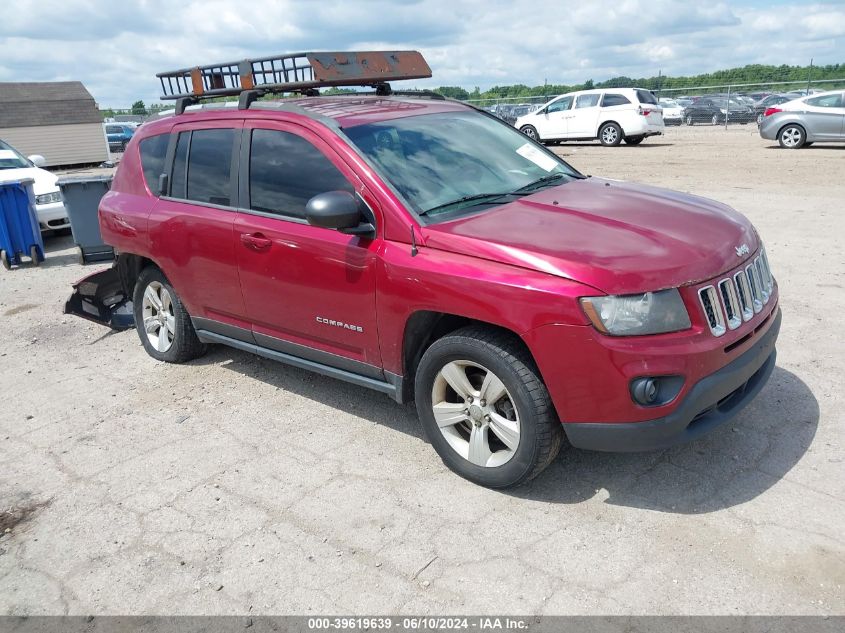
(295, 72)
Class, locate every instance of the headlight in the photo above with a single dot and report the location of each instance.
(631, 315)
(723, 111)
(48, 198)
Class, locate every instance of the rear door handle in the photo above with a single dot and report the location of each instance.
(255, 241)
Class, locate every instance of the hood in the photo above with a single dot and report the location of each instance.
(618, 237)
(45, 182)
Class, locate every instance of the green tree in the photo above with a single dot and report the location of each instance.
(453, 92)
(139, 108)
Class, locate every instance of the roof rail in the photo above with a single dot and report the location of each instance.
(294, 72)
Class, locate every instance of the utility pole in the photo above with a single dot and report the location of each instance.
(659, 82)
(809, 74)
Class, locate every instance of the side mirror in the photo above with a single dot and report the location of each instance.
(38, 160)
(339, 210)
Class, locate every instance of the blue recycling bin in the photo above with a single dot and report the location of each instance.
(20, 234)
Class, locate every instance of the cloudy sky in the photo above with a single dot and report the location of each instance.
(116, 48)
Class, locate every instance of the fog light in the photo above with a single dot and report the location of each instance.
(655, 391)
(645, 390)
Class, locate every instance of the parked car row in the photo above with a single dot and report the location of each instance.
(717, 110)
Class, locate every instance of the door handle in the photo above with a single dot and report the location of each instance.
(255, 241)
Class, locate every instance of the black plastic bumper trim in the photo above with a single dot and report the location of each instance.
(712, 401)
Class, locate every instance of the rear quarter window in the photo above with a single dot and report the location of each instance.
(613, 99)
(645, 96)
(826, 101)
(209, 166)
(153, 152)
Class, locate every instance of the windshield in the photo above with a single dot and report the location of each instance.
(10, 158)
(449, 164)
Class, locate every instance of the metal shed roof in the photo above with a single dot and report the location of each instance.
(46, 103)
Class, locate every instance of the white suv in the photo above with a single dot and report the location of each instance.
(610, 115)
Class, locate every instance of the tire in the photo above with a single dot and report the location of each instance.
(715, 119)
(792, 137)
(531, 132)
(33, 255)
(4, 259)
(610, 135)
(181, 343)
(634, 140)
(690, 120)
(807, 144)
(522, 413)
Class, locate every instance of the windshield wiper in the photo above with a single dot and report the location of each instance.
(540, 181)
(479, 197)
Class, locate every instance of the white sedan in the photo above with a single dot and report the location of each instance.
(49, 205)
(673, 112)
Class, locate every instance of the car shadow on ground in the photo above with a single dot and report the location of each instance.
(337, 394)
(732, 465)
(594, 144)
(817, 145)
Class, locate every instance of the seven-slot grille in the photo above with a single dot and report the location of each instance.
(738, 298)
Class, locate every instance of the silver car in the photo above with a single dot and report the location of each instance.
(802, 122)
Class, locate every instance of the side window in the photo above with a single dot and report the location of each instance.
(112, 129)
(587, 101)
(611, 99)
(827, 101)
(286, 171)
(153, 152)
(210, 165)
(645, 96)
(560, 106)
(180, 166)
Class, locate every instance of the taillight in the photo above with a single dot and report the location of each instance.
(771, 111)
(644, 111)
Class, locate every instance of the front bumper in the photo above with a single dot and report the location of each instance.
(712, 401)
(52, 216)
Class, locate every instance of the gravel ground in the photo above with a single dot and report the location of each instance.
(236, 485)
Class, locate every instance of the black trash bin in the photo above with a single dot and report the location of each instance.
(82, 196)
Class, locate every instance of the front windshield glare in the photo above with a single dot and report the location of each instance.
(439, 161)
(11, 159)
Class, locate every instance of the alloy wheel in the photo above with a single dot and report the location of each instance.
(791, 137)
(609, 135)
(529, 132)
(475, 413)
(157, 313)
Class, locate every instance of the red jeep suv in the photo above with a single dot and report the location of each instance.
(422, 248)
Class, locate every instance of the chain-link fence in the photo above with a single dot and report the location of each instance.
(734, 97)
